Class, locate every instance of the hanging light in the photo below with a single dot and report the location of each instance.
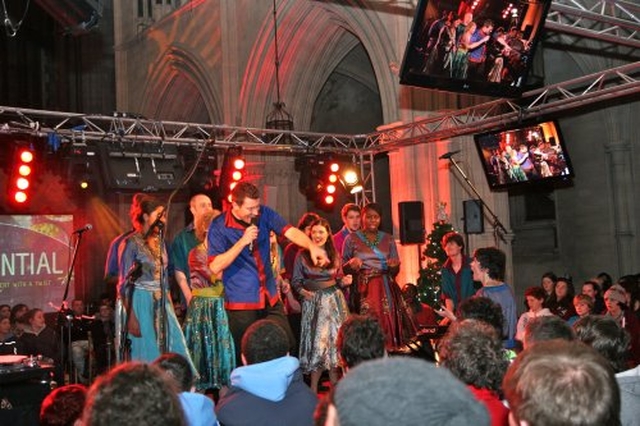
(279, 118)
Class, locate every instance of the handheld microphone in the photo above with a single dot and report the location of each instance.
(134, 272)
(254, 221)
(87, 227)
(449, 154)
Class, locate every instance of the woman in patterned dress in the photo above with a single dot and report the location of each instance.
(206, 327)
(373, 256)
(143, 265)
(324, 307)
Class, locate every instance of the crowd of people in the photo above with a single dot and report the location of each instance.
(235, 359)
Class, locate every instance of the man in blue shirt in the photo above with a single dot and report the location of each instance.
(239, 248)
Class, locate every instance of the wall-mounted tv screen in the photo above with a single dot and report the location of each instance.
(474, 46)
(531, 153)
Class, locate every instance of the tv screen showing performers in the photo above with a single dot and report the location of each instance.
(533, 153)
(474, 46)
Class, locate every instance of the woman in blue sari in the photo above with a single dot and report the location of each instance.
(143, 269)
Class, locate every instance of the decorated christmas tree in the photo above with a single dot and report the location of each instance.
(429, 290)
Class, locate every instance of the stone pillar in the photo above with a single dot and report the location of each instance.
(620, 171)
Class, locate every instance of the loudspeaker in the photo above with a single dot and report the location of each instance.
(473, 217)
(411, 222)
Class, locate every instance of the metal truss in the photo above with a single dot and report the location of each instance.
(81, 128)
(556, 99)
(612, 21)
(620, 82)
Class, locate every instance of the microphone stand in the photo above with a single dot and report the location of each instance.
(64, 311)
(163, 293)
(498, 227)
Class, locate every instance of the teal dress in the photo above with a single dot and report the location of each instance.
(146, 302)
(206, 327)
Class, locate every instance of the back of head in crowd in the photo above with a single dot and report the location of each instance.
(547, 328)
(472, 351)
(557, 383)
(63, 406)
(403, 391)
(604, 335)
(264, 341)
(178, 369)
(360, 339)
(482, 309)
(133, 394)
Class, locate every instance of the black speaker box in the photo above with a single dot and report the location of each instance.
(411, 222)
(473, 217)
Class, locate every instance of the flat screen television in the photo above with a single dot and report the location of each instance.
(529, 154)
(483, 47)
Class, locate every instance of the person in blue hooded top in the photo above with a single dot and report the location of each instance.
(269, 389)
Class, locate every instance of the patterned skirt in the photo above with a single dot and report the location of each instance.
(322, 317)
(209, 341)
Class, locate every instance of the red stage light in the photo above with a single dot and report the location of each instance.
(26, 156)
(334, 167)
(239, 163)
(20, 197)
(236, 175)
(331, 189)
(22, 183)
(24, 170)
(329, 199)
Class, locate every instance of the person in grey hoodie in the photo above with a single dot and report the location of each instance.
(269, 389)
(612, 342)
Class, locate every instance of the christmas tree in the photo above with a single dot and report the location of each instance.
(429, 290)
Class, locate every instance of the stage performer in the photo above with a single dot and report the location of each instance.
(239, 248)
(324, 307)
(373, 256)
(206, 327)
(185, 241)
(143, 270)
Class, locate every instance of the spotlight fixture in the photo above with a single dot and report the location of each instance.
(233, 169)
(351, 180)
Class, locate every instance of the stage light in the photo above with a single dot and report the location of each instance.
(22, 183)
(84, 184)
(20, 197)
(21, 174)
(331, 189)
(232, 171)
(24, 170)
(329, 200)
(351, 180)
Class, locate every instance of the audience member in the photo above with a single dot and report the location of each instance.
(9, 344)
(198, 409)
(547, 328)
(604, 280)
(548, 284)
(5, 310)
(561, 383)
(63, 406)
(534, 297)
(403, 391)
(18, 322)
(592, 289)
(472, 351)
(79, 334)
(488, 267)
(616, 301)
(482, 309)
(40, 339)
(583, 305)
(423, 314)
(269, 388)
(102, 331)
(360, 339)
(133, 393)
(605, 336)
(561, 303)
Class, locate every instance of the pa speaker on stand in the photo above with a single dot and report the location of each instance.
(411, 222)
(473, 217)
